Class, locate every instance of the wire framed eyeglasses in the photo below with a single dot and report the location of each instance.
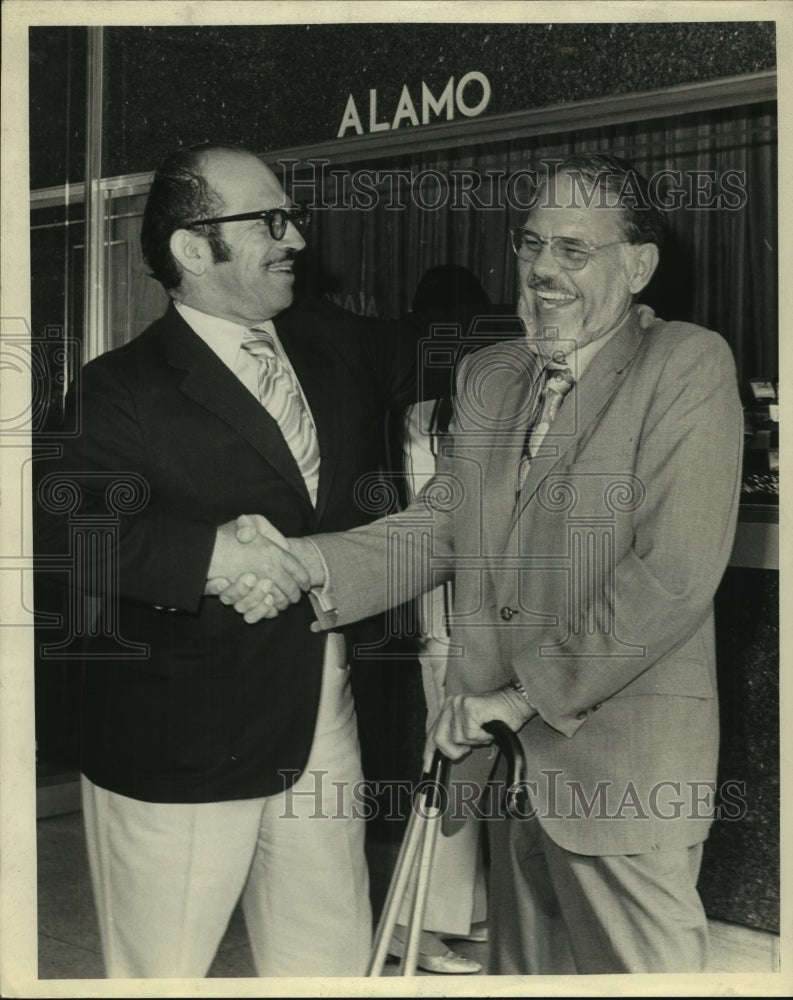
(571, 253)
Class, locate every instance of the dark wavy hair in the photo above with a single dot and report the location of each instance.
(623, 185)
(179, 195)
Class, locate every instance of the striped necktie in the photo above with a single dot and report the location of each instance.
(280, 395)
(559, 381)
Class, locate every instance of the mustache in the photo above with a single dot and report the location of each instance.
(545, 285)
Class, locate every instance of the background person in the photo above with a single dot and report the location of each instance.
(457, 895)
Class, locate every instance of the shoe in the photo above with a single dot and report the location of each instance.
(448, 961)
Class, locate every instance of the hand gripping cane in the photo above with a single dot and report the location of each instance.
(415, 854)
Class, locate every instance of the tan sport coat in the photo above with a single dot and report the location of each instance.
(595, 588)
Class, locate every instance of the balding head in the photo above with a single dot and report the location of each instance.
(180, 193)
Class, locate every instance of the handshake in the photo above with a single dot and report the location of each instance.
(258, 571)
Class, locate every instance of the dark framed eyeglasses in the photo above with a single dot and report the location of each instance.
(277, 219)
(571, 253)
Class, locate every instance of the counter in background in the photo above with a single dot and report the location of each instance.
(756, 543)
(739, 881)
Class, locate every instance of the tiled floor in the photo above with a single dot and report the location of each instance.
(69, 939)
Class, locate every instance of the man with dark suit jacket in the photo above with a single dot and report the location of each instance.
(586, 548)
(209, 760)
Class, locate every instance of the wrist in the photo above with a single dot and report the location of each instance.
(308, 554)
(220, 562)
(519, 697)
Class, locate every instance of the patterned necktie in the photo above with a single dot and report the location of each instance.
(280, 395)
(559, 381)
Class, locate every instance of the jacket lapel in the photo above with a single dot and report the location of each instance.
(211, 384)
(586, 400)
(517, 401)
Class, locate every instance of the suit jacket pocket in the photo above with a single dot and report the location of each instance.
(610, 461)
(674, 675)
(181, 643)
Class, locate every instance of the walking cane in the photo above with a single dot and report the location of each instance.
(418, 845)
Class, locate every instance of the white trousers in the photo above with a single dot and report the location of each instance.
(167, 877)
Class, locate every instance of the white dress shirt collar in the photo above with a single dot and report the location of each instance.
(223, 336)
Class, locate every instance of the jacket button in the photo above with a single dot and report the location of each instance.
(507, 613)
(581, 716)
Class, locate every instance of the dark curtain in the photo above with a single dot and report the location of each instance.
(719, 268)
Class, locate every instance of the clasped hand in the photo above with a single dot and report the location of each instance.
(256, 570)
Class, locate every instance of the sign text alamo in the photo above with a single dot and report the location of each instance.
(469, 97)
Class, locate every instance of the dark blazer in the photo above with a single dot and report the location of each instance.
(216, 708)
